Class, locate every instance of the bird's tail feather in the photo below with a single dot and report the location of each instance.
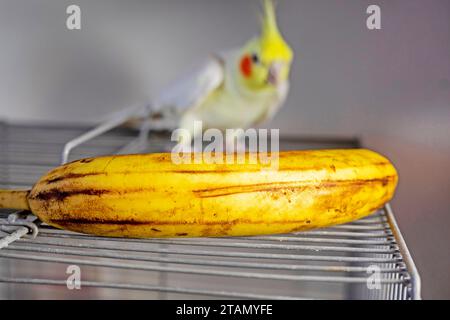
(155, 120)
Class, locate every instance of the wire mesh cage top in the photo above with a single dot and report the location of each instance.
(332, 263)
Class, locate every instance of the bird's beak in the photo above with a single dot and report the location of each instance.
(273, 76)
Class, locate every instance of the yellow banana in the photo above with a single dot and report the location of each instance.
(149, 196)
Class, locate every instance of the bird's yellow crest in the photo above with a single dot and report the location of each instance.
(266, 60)
(273, 45)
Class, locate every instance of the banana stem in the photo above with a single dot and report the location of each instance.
(14, 199)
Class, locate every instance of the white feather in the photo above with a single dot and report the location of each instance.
(193, 89)
(278, 102)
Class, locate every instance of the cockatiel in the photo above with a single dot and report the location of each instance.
(240, 88)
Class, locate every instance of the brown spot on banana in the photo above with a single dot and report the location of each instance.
(277, 186)
(58, 195)
(168, 223)
(69, 176)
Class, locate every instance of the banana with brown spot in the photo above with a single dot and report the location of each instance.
(147, 196)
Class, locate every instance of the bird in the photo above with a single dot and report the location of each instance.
(238, 88)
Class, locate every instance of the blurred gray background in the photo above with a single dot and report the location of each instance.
(390, 87)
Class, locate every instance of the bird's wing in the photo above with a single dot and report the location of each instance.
(191, 90)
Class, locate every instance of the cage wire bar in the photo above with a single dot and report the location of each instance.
(332, 263)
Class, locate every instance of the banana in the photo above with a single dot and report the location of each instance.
(145, 196)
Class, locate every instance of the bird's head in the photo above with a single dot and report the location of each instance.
(265, 61)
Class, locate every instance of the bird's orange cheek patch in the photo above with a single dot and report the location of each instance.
(246, 66)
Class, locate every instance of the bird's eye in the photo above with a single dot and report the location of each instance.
(255, 58)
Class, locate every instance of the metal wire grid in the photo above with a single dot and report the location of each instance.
(330, 263)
